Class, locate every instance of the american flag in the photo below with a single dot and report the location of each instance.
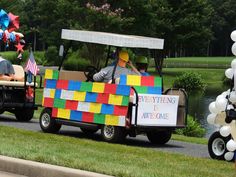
(31, 65)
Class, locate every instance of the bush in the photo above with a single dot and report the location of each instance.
(190, 81)
(52, 56)
(78, 64)
(192, 129)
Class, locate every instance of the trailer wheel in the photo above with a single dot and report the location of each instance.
(217, 146)
(88, 131)
(47, 123)
(24, 115)
(159, 137)
(113, 134)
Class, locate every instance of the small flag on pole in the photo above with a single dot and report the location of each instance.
(31, 65)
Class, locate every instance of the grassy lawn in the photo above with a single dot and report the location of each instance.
(112, 159)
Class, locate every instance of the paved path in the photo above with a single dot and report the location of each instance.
(195, 150)
(5, 174)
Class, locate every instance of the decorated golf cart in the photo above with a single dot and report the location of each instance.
(222, 143)
(133, 105)
(16, 96)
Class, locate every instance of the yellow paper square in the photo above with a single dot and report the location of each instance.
(48, 74)
(63, 113)
(52, 93)
(43, 101)
(133, 80)
(95, 107)
(112, 120)
(98, 87)
(79, 96)
(115, 99)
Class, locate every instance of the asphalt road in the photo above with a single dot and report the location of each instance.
(190, 149)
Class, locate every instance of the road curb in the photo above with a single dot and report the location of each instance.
(36, 169)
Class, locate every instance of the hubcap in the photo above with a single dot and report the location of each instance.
(45, 120)
(218, 146)
(109, 131)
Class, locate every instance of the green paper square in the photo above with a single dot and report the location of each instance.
(99, 118)
(157, 82)
(125, 101)
(86, 86)
(55, 74)
(59, 103)
(141, 89)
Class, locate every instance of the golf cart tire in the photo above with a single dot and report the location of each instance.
(217, 146)
(47, 123)
(24, 115)
(88, 131)
(113, 134)
(159, 137)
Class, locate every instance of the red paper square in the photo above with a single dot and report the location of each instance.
(147, 81)
(62, 84)
(87, 117)
(102, 98)
(54, 112)
(48, 102)
(110, 88)
(72, 105)
(120, 110)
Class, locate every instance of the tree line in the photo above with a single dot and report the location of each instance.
(189, 27)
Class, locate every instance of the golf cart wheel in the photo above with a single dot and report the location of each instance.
(217, 146)
(159, 137)
(47, 123)
(24, 115)
(88, 131)
(113, 134)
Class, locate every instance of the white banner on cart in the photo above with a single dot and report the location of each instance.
(156, 110)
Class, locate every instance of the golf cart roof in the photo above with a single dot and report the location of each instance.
(112, 39)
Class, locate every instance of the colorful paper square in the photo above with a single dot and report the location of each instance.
(141, 89)
(58, 94)
(83, 106)
(107, 109)
(125, 101)
(91, 97)
(110, 88)
(59, 103)
(48, 74)
(147, 81)
(120, 110)
(72, 105)
(63, 113)
(102, 98)
(158, 82)
(95, 107)
(115, 99)
(76, 115)
(112, 120)
(48, 102)
(133, 80)
(54, 112)
(154, 90)
(123, 80)
(122, 121)
(87, 117)
(74, 85)
(79, 96)
(98, 87)
(67, 94)
(86, 86)
(99, 118)
(50, 83)
(62, 84)
(55, 74)
(123, 90)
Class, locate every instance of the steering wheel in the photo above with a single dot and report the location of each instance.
(89, 72)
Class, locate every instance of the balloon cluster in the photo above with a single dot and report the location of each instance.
(8, 24)
(225, 103)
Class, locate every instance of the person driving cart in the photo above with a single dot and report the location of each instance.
(142, 65)
(105, 75)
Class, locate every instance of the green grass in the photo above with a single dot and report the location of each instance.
(189, 139)
(112, 159)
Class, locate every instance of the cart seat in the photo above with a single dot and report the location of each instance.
(19, 72)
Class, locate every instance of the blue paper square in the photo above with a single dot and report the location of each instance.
(123, 79)
(91, 97)
(76, 115)
(123, 90)
(74, 85)
(107, 109)
(154, 90)
(51, 83)
(58, 93)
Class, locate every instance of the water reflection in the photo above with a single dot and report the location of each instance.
(198, 107)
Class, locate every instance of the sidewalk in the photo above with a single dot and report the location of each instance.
(5, 174)
(36, 169)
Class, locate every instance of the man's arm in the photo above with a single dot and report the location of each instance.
(98, 77)
(133, 68)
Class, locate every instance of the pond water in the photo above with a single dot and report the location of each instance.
(198, 107)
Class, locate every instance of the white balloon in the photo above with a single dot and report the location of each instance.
(232, 97)
(233, 49)
(212, 108)
(231, 145)
(211, 118)
(233, 35)
(230, 106)
(221, 104)
(229, 156)
(225, 131)
(220, 97)
(229, 73)
(225, 93)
